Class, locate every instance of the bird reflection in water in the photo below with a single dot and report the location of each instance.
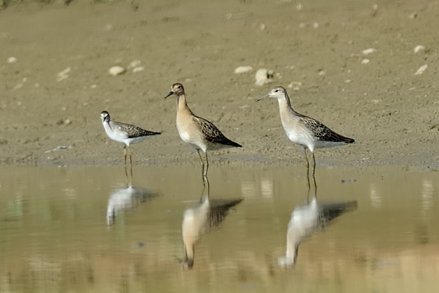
(126, 199)
(199, 220)
(308, 219)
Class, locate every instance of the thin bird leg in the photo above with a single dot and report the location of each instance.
(306, 158)
(131, 158)
(307, 168)
(207, 164)
(125, 154)
(206, 189)
(202, 163)
(315, 186)
(309, 186)
(126, 175)
(314, 165)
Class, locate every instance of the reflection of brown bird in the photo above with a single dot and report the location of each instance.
(303, 130)
(308, 219)
(199, 219)
(124, 133)
(199, 133)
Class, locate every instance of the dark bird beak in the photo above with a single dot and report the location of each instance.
(261, 98)
(170, 94)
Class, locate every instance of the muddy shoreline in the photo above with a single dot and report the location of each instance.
(391, 112)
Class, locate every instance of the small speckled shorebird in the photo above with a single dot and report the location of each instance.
(124, 133)
(199, 133)
(303, 130)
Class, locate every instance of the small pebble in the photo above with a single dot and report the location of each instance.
(116, 70)
(135, 63)
(421, 69)
(369, 51)
(295, 85)
(419, 48)
(138, 69)
(264, 76)
(63, 74)
(365, 61)
(12, 60)
(243, 69)
(413, 15)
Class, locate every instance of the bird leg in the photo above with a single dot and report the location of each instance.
(207, 164)
(314, 165)
(202, 163)
(125, 154)
(307, 168)
(131, 158)
(306, 158)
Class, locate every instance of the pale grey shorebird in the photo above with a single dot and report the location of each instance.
(303, 130)
(199, 133)
(124, 133)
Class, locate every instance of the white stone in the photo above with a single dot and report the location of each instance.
(138, 69)
(421, 69)
(419, 48)
(12, 60)
(243, 69)
(116, 70)
(365, 61)
(295, 85)
(135, 63)
(264, 76)
(64, 72)
(369, 51)
(413, 15)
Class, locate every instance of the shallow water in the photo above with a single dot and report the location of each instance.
(81, 229)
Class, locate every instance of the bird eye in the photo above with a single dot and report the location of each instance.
(276, 91)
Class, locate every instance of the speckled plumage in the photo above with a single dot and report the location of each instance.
(198, 132)
(303, 130)
(321, 132)
(124, 133)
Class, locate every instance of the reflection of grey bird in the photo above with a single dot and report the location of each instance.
(308, 219)
(199, 219)
(126, 199)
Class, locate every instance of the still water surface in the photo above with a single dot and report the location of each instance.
(258, 229)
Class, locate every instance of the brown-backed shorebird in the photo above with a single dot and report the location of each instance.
(199, 133)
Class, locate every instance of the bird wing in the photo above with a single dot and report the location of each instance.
(134, 131)
(210, 131)
(320, 131)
